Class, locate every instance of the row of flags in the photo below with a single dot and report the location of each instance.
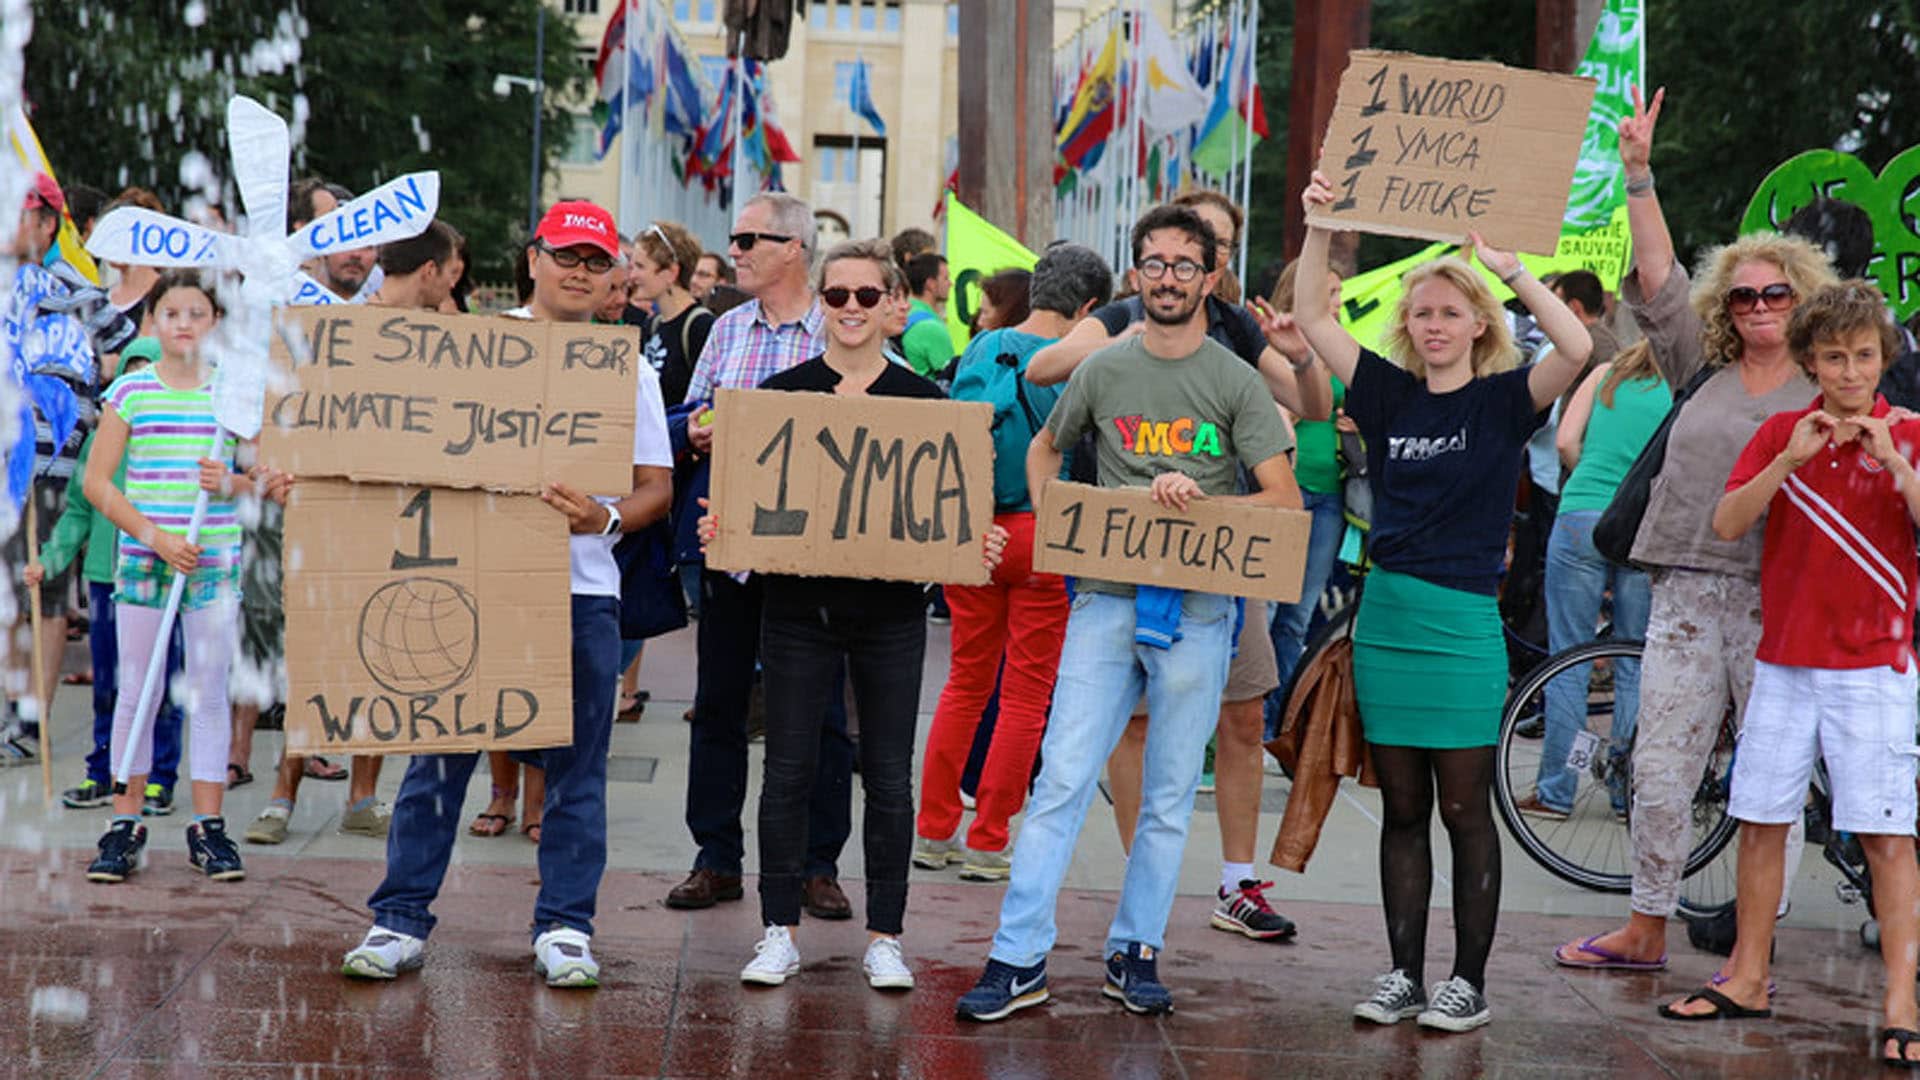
(1201, 107)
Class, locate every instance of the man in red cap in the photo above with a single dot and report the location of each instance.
(39, 220)
(572, 257)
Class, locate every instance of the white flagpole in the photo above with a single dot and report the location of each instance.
(739, 108)
(630, 136)
(1246, 172)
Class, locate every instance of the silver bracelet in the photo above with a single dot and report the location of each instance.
(1509, 279)
(1642, 186)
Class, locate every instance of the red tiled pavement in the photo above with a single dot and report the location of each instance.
(185, 978)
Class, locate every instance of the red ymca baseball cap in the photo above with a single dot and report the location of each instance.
(45, 193)
(579, 222)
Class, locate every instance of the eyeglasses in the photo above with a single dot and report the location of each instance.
(838, 295)
(1183, 271)
(745, 240)
(1742, 299)
(569, 259)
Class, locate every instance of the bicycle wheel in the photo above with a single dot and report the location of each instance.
(1591, 847)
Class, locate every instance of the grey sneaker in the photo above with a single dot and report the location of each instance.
(271, 826)
(935, 854)
(370, 817)
(1457, 1006)
(985, 866)
(1395, 997)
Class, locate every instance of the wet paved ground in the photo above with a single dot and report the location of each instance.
(170, 975)
(174, 976)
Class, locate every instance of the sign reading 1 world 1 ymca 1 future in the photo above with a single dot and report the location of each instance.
(1438, 148)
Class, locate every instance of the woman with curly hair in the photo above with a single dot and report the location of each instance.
(1703, 624)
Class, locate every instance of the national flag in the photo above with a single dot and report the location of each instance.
(68, 246)
(712, 150)
(1091, 118)
(626, 77)
(860, 98)
(1170, 98)
(1237, 120)
(683, 100)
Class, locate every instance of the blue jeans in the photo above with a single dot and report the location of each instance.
(1102, 673)
(105, 648)
(573, 834)
(1577, 577)
(1289, 627)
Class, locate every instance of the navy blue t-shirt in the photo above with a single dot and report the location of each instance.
(1445, 468)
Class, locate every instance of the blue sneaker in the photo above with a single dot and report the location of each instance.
(1002, 991)
(1134, 981)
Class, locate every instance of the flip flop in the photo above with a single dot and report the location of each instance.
(1724, 1008)
(491, 824)
(319, 768)
(1608, 959)
(1903, 1038)
(238, 776)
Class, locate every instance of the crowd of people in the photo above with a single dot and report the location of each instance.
(1782, 363)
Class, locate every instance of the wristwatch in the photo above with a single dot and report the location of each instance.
(613, 520)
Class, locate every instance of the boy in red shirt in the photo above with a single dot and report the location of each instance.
(1835, 671)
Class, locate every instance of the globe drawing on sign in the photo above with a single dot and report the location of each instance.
(420, 635)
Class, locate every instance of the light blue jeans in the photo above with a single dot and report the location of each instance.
(1290, 623)
(1102, 674)
(1577, 577)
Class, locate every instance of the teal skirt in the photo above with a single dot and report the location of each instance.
(1429, 664)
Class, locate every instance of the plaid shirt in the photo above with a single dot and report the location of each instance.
(743, 349)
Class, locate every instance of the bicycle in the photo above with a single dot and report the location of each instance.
(1593, 846)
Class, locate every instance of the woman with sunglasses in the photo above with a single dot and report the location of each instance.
(810, 624)
(1703, 624)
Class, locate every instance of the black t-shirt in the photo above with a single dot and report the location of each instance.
(1227, 324)
(672, 345)
(860, 599)
(1444, 469)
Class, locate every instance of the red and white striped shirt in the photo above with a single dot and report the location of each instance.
(1837, 572)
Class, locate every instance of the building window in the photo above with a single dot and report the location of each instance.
(716, 69)
(581, 7)
(843, 80)
(583, 141)
(953, 20)
(706, 11)
(684, 11)
(868, 16)
(842, 15)
(890, 17)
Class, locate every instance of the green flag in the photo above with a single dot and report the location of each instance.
(1616, 59)
(975, 250)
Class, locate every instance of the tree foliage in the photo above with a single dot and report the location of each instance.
(127, 91)
(1748, 86)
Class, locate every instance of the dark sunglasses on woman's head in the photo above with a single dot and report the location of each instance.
(838, 296)
(1742, 299)
(569, 259)
(745, 240)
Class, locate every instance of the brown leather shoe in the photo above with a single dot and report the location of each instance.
(824, 900)
(703, 888)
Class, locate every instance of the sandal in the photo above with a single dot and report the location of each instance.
(532, 831)
(631, 707)
(1605, 959)
(1902, 1038)
(238, 776)
(490, 823)
(1724, 1008)
(319, 768)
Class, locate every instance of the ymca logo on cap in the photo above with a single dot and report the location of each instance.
(579, 222)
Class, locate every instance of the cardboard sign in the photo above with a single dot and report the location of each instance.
(423, 620)
(1121, 534)
(1434, 148)
(896, 489)
(412, 397)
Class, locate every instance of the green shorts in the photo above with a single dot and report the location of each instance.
(1429, 664)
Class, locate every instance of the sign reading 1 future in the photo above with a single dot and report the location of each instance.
(1437, 148)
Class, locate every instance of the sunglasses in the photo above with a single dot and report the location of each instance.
(1742, 299)
(1183, 271)
(838, 295)
(569, 259)
(745, 240)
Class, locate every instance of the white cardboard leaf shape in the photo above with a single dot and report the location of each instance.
(258, 138)
(400, 208)
(141, 237)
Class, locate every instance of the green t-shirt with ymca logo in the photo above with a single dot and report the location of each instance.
(1202, 415)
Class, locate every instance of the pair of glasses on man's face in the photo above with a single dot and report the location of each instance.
(1156, 268)
(745, 240)
(838, 295)
(1742, 299)
(570, 259)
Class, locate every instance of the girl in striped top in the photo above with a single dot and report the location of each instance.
(161, 422)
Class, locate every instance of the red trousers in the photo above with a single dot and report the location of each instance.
(1022, 616)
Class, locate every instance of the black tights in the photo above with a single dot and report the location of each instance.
(1408, 776)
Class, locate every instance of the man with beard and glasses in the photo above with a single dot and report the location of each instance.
(1121, 640)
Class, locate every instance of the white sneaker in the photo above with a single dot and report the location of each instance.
(774, 958)
(562, 956)
(886, 968)
(384, 954)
